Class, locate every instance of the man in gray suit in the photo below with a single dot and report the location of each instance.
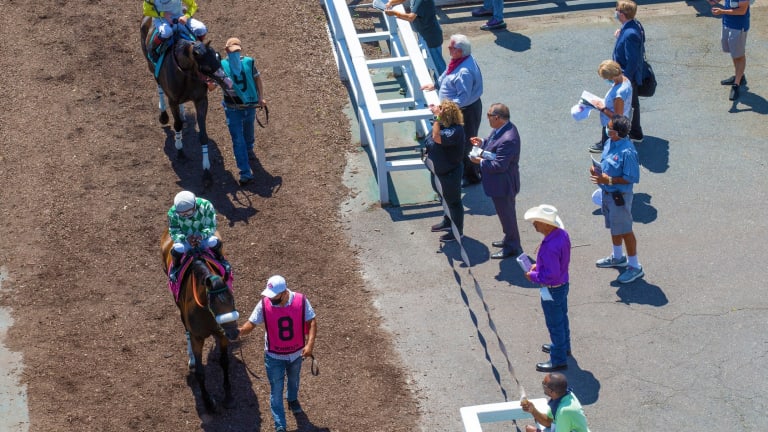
(501, 175)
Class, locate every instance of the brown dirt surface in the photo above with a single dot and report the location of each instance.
(88, 175)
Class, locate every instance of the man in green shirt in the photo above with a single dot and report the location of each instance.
(564, 408)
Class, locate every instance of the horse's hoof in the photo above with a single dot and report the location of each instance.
(207, 179)
(164, 118)
(229, 403)
(211, 406)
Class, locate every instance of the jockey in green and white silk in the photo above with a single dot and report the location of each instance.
(192, 225)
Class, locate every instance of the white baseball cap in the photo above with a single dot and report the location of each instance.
(275, 285)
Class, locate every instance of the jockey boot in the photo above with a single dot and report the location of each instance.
(220, 257)
(159, 46)
(173, 274)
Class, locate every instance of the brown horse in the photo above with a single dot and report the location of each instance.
(183, 76)
(203, 297)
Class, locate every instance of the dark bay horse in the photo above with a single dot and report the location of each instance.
(186, 67)
(204, 296)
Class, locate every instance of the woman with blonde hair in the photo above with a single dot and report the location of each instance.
(618, 100)
(445, 154)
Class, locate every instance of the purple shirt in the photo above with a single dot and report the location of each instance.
(553, 259)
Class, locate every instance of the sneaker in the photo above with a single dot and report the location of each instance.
(630, 274)
(636, 140)
(734, 93)
(596, 148)
(480, 12)
(245, 180)
(442, 226)
(610, 261)
(732, 80)
(493, 24)
(295, 407)
(280, 429)
(448, 237)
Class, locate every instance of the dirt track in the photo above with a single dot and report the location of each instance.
(88, 174)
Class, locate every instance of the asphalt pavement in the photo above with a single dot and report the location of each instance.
(684, 347)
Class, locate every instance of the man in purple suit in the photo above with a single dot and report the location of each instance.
(501, 175)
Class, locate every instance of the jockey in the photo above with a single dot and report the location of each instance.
(192, 224)
(165, 13)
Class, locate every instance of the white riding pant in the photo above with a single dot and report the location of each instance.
(166, 29)
(208, 243)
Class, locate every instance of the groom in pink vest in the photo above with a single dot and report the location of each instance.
(289, 321)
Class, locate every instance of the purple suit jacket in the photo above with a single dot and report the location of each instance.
(502, 176)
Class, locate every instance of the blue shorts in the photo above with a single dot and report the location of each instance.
(618, 218)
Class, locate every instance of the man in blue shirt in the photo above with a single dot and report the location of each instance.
(462, 83)
(551, 271)
(735, 15)
(619, 171)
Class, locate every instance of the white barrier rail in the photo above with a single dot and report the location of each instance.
(373, 113)
(474, 416)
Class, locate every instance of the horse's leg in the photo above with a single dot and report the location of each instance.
(224, 361)
(191, 363)
(163, 113)
(201, 107)
(178, 125)
(197, 349)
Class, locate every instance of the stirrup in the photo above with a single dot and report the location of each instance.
(173, 275)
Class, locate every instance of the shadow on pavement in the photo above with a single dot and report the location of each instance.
(653, 153)
(756, 103)
(640, 292)
(584, 384)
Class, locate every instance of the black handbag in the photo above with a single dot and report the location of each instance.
(647, 87)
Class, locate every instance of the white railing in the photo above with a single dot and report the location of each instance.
(406, 57)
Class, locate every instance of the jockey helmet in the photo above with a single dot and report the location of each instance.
(185, 203)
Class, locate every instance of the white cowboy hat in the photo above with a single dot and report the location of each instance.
(544, 213)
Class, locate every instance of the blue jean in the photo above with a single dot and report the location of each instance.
(241, 124)
(556, 317)
(497, 6)
(277, 370)
(436, 54)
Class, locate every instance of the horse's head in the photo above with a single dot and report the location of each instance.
(221, 302)
(208, 62)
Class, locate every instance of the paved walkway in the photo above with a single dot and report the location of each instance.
(684, 347)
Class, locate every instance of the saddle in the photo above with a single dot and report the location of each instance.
(186, 260)
(157, 47)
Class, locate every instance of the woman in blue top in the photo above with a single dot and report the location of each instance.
(618, 100)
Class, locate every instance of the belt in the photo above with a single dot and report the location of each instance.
(556, 286)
